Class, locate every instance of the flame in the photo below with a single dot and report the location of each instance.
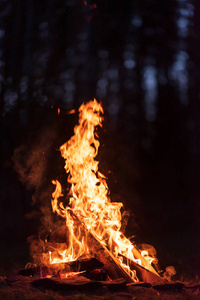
(148, 258)
(89, 193)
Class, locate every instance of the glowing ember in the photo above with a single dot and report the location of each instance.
(89, 199)
(70, 274)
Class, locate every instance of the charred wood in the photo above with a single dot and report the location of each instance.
(87, 265)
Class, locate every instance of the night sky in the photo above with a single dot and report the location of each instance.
(142, 60)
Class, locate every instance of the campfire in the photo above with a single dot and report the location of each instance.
(91, 234)
(86, 251)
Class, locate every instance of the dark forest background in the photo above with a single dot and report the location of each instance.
(142, 59)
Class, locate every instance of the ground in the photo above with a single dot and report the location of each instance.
(80, 288)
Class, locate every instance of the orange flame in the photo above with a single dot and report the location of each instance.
(89, 193)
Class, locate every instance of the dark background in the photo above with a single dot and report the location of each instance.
(142, 59)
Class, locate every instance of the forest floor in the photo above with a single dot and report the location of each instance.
(80, 288)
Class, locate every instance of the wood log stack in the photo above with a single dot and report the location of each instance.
(107, 262)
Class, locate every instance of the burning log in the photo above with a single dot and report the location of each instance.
(111, 264)
(143, 274)
(137, 255)
(86, 264)
(80, 266)
(144, 262)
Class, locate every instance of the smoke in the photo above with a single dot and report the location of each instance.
(30, 164)
(37, 162)
(31, 161)
(34, 165)
(169, 273)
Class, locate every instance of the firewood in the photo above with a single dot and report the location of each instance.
(104, 258)
(138, 255)
(79, 265)
(110, 262)
(144, 262)
(86, 264)
(144, 274)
